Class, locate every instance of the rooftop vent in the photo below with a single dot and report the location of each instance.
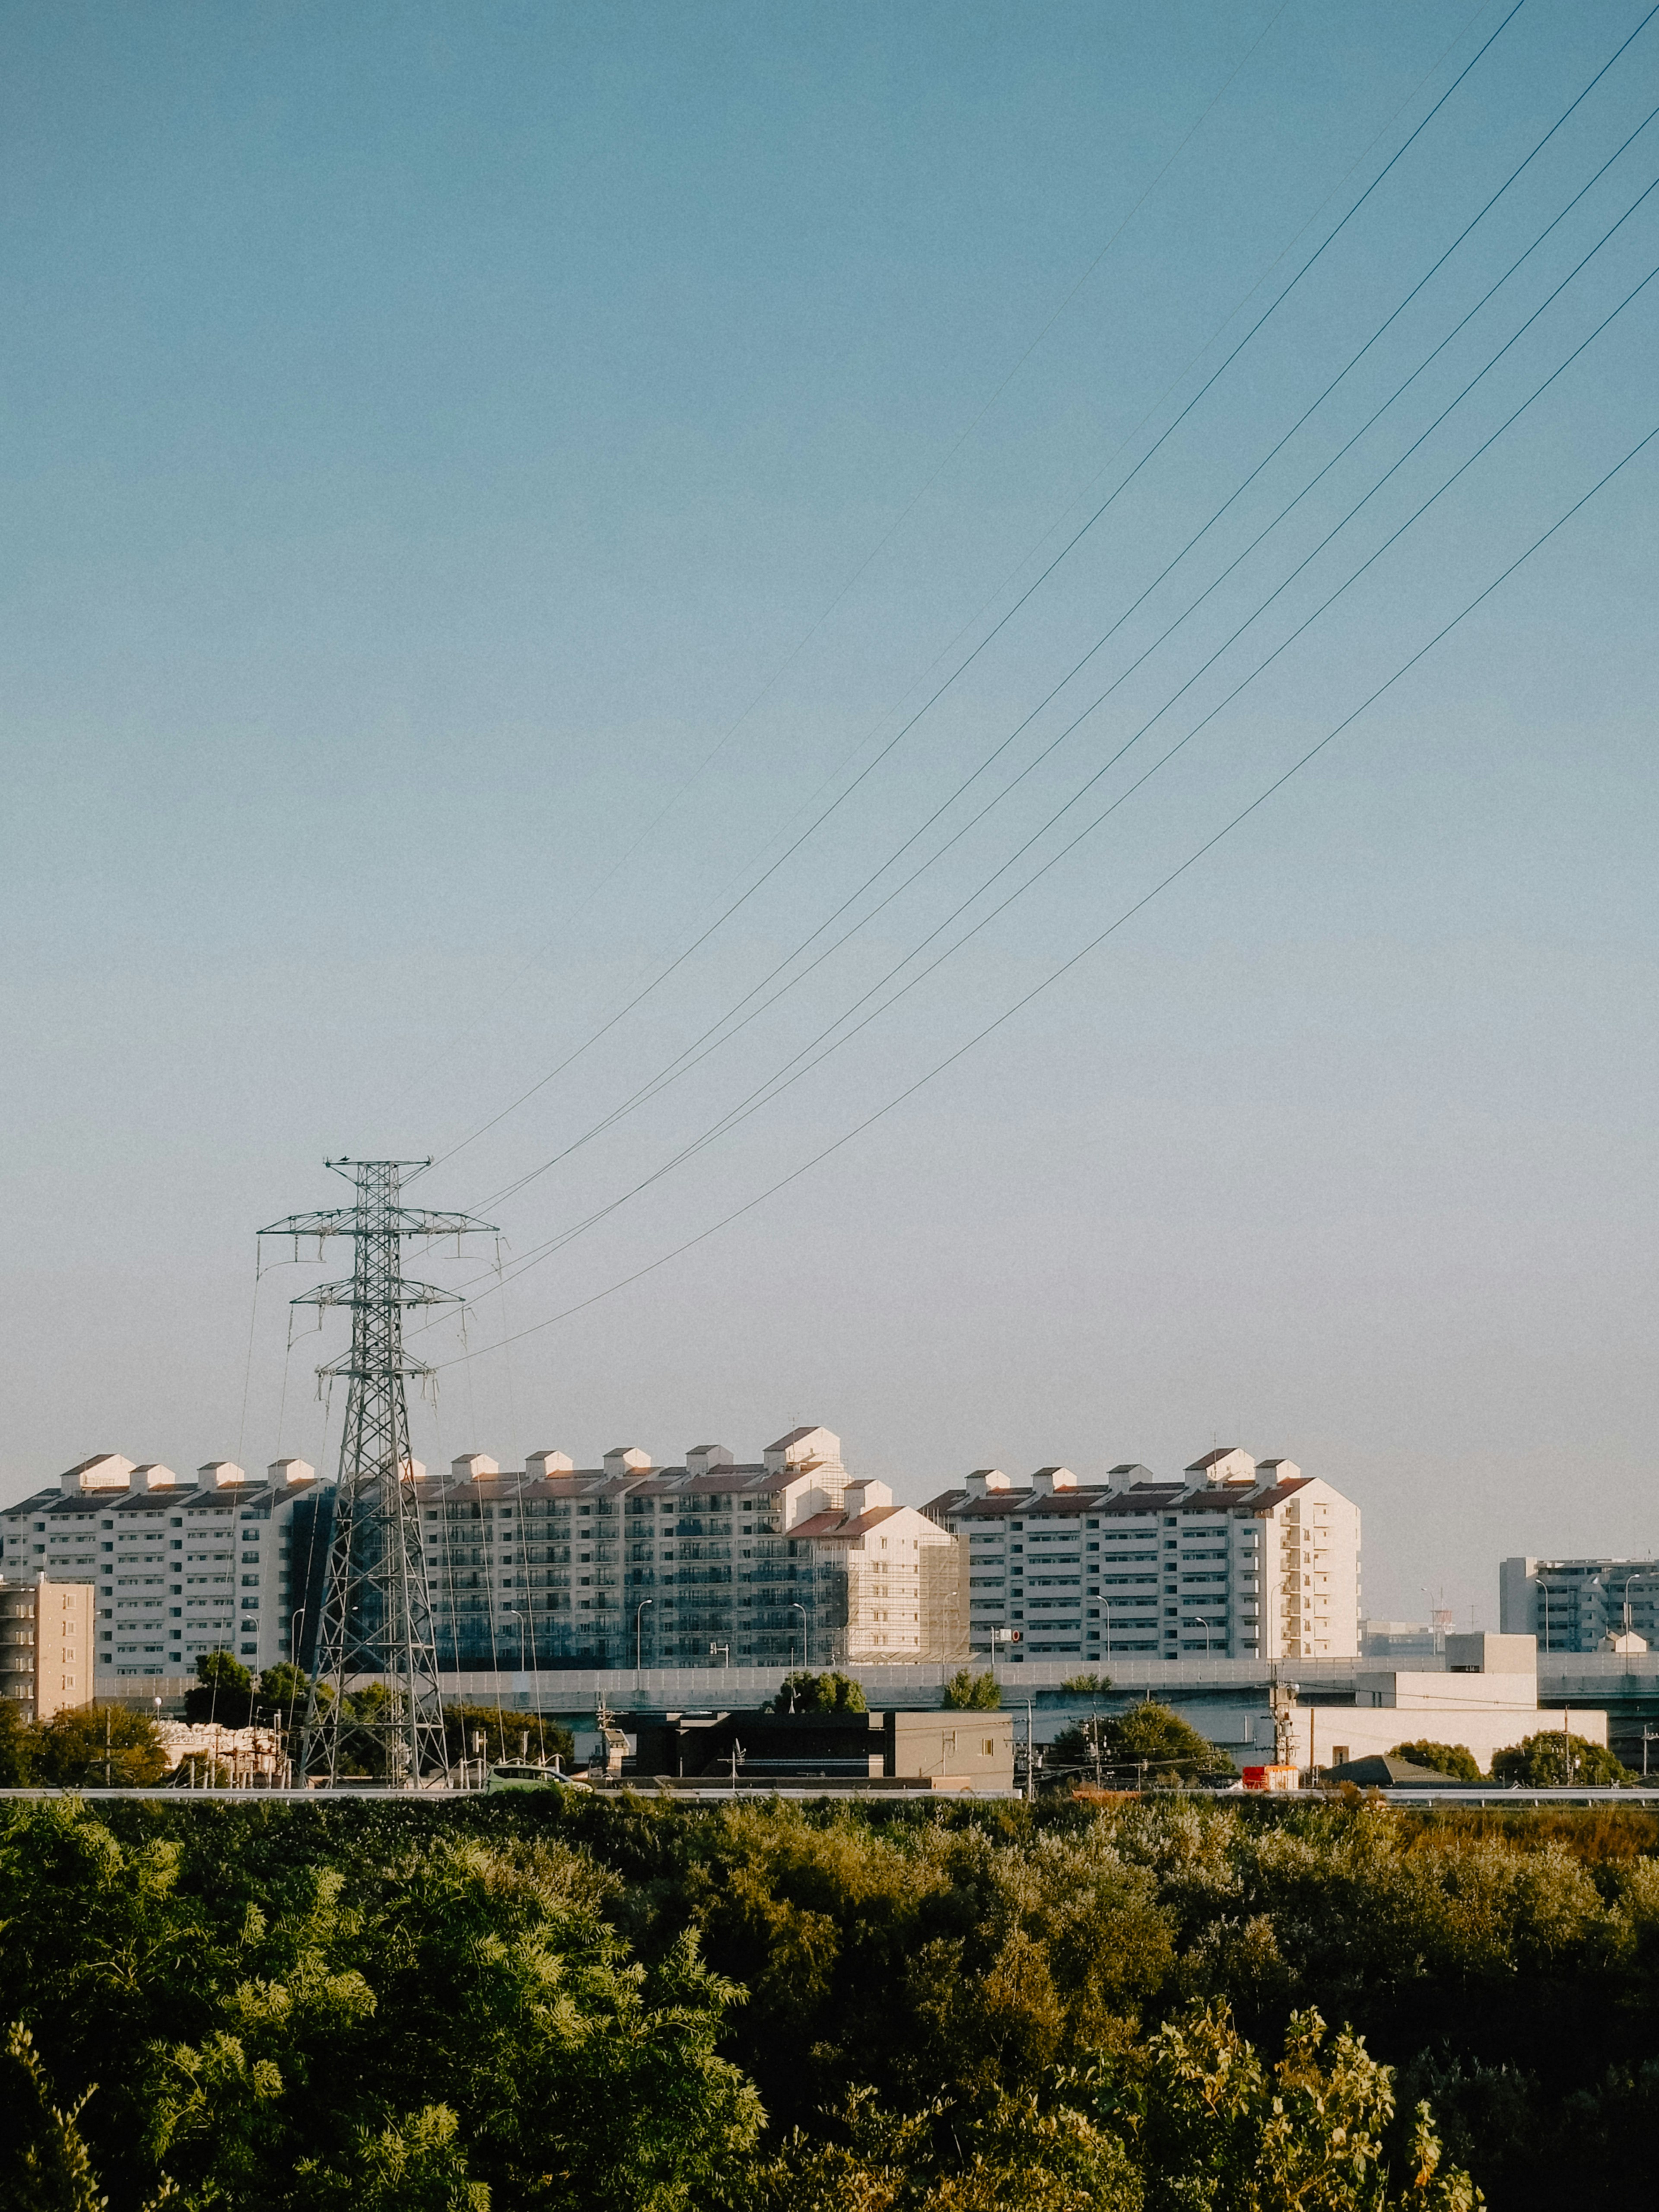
(801, 1448)
(1227, 1463)
(704, 1459)
(103, 1471)
(541, 1464)
(1048, 1480)
(282, 1471)
(987, 1478)
(474, 1467)
(220, 1474)
(627, 1459)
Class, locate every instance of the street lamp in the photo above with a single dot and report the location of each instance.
(512, 1612)
(725, 1650)
(805, 1640)
(639, 1630)
(298, 1613)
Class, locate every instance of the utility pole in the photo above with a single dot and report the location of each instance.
(376, 1623)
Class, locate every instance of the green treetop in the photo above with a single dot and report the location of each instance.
(968, 1693)
(802, 1692)
(1553, 1759)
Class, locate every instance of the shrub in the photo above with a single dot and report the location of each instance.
(968, 1693)
(1454, 1759)
(86, 1745)
(801, 1692)
(1554, 1759)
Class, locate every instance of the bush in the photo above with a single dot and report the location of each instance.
(1086, 1685)
(86, 1745)
(801, 1692)
(1454, 1759)
(223, 1691)
(968, 1693)
(506, 1735)
(1551, 1759)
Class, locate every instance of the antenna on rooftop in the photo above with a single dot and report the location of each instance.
(376, 1628)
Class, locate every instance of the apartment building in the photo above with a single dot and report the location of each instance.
(782, 1561)
(46, 1645)
(1578, 1605)
(895, 1591)
(178, 1565)
(1237, 1560)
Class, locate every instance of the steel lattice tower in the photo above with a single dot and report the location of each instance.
(377, 1613)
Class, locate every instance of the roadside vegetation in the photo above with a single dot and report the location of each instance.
(616, 2002)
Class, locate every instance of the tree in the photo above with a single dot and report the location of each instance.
(79, 1747)
(1218, 2128)
(1086, 1685)
(504, 1733)
(222, 1670)
(968, 1693)
(223, 1691)
(1149, 1743)
(1454, 1759)
(1553, 1758)
(801, 1692)
(16, 1746)
(283, 1688)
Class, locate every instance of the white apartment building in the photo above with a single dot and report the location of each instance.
(179, 1565)
(707, 1562)
(1576, 1605)
(1238, 1559)
(783, 1561)
(894, 1574)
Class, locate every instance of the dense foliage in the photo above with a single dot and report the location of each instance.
(1144, 1743)
(1454, 1759)
(1132, 2005)
(968, 1693)
(1552, 1757)
(801, 1692)
(82, 1747)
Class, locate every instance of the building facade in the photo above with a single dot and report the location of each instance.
(179, 1565)
(1236, 1560)
(778, 1562)
(1576, 1605)
(708, 1563)
(46, 1645)
(893, 1591)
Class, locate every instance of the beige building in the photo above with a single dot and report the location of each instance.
(894, 1575)
(1237, 1560)
(46, 1645)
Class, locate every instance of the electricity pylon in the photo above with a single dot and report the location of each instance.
(376, 1629)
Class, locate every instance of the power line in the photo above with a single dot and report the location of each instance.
(898, 738)
(694, 1053)
(784, 1080)
(1094, 942)
(807, 637)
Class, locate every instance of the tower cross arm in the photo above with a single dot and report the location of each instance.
(391, 1220)
(403, 1293)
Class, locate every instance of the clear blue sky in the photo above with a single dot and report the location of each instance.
(478, 480)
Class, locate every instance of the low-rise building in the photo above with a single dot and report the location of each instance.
(46, 1645)
(1486, 1699)
(1575, 1605)
(1237, 1560)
